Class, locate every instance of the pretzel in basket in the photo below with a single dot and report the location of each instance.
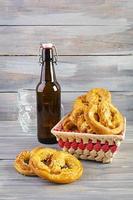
(94, 113)
(109, 122)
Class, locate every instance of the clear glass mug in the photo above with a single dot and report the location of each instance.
(27, 116)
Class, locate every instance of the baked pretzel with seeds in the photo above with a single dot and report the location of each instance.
(56, 166)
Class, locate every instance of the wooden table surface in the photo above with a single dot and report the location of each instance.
(95, 46)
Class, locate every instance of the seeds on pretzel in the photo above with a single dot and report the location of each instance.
(94, 113)
(56, 166)
(110, 122)
(21, 163)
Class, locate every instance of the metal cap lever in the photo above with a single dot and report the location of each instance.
(54, 52)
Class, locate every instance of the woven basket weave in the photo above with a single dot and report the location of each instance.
(88, 146)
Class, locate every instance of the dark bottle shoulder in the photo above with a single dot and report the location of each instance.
(45, 86)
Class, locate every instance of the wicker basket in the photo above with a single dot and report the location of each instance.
(88, 146)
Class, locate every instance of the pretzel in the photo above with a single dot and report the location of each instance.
(110, 121)
(77, 114)
(77, 117)
(94, 113)
(80, 102)
(56, 166)
(68, 124)
(21, 163)
(97, 95)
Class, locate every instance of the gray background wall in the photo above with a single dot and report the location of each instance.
(94, 41)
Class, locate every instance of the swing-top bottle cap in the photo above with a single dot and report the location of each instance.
(48, 52)
(47, 45)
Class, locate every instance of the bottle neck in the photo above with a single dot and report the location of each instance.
(47, 72)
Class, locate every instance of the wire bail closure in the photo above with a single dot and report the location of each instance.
(54, 53)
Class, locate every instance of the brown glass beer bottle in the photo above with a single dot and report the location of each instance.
(48, 94)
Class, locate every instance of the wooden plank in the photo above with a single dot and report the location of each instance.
(14, 129)
(8, 106)
(58, 12)
(69, 40)
(66, 191)
(112, 173)
(77, 190)
(74, 73)
(113, 177)
(9, 111)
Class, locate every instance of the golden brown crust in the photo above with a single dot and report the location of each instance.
(94, 113)
(97, 95)
(68, 124)
(34, 150)
(56, 166)
(21, 163)
(110, 122)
